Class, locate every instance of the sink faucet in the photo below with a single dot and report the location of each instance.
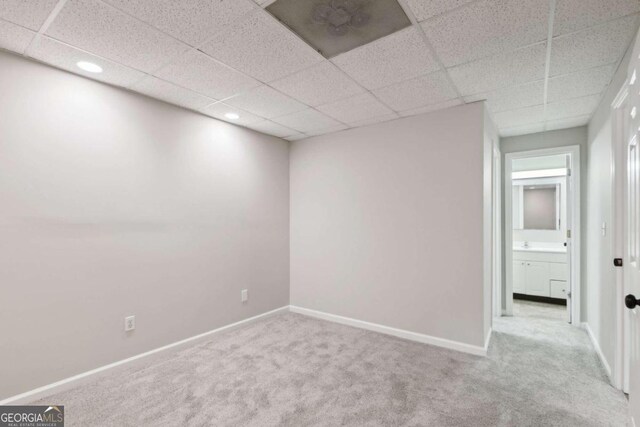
(525, 244)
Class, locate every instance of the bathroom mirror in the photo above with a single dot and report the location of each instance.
(536, 206)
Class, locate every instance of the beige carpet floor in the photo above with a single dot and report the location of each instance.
(293, 370)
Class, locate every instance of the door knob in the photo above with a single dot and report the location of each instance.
(631, 302)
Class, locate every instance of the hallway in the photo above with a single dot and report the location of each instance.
(539, 310)
(540, 347)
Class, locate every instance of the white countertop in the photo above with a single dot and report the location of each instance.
(560, 250)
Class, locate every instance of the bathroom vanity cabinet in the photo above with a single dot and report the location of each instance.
(540, 273)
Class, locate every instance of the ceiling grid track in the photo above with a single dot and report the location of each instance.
(255, 9)
(263, 8)
(45, 26)
(547, 68)
(191, 48)
(430, 48)
(348, 126)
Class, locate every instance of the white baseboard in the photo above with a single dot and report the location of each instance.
(596, 345)
(75, 380)
(401, 333)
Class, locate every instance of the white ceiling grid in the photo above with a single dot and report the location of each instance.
(220, 57)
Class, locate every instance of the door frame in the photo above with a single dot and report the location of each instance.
(497, 229)
(619, 127)
(576, 253)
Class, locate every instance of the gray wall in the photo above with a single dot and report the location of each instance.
(114, 204)
(551, 139)
(387, 224)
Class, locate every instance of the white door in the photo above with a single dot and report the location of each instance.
(537, 278)
(632, 255)
(569, 241)
(632, 272)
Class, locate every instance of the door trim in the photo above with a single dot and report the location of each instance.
(576, 254)
(496, 221)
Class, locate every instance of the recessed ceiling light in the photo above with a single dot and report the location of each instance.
(89, 66)
(232, 116)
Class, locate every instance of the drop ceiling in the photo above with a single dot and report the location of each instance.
(233, 56)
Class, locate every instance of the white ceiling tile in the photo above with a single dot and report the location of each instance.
(511, 98)
(486, 28)
(585, 105)
(165, 91)
(432, 107)
(424, 90)
(66, 57)
(271, 128)
(103, 30)
(263, 48)
(567, 123)
(374, 120)
(582, 83)
(308, 120)
(14, 37)
(191, 21)
(499, 71)
(219, 109)
(519, 117)
(328, 131)
(27, 13)
(318, 84)
(522, 130)
(392, 59)
(573, 15)
(601, 45)
(355, 109)
(555, 111)
(266, 102)
(425, 9)
(201, 73)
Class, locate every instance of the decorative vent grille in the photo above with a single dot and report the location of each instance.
(336, 26)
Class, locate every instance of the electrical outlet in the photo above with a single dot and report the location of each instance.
(129, 323)
(244, 295)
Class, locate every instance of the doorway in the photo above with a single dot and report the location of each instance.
(542, 234)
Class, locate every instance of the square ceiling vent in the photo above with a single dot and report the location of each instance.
(336, 26)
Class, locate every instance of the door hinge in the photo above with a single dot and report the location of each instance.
(617, 262)
(568, 234)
